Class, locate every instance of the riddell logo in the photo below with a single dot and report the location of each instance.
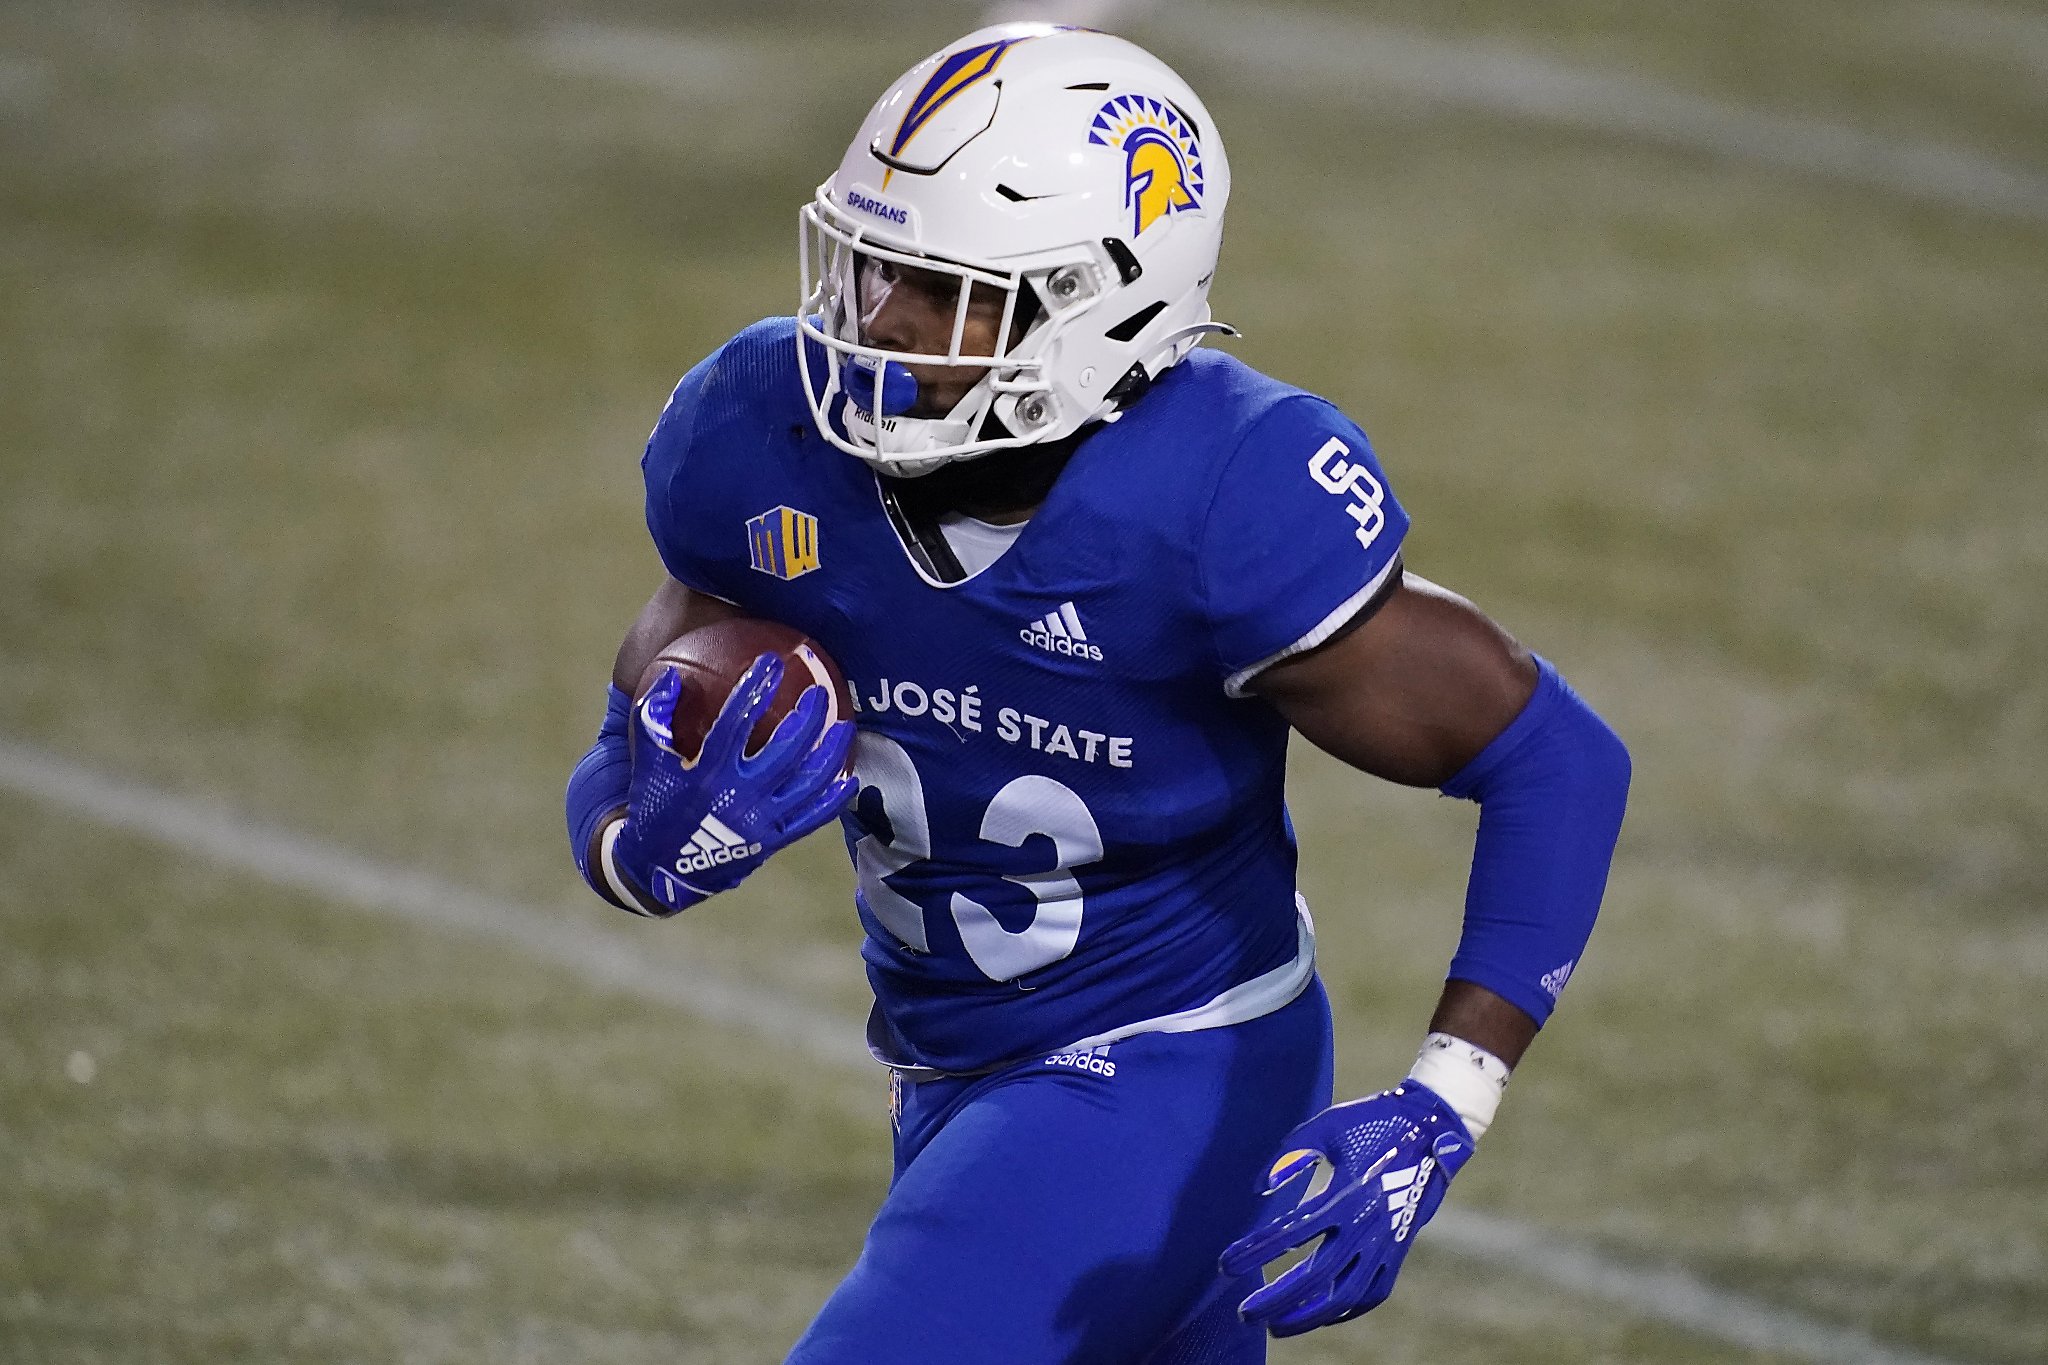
(1059, 632)
(713, 845)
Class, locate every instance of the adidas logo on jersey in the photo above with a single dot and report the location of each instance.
(1094, 1060)
(713, 845)
(1059, 632)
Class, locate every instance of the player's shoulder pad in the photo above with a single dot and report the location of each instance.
(751, 378)
(1222, 418)
(695, 461)
(1176, 440)
(1212, 398)
(1298, 526)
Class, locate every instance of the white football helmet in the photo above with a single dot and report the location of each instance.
(1070, 170)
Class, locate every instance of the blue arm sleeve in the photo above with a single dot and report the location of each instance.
(1551, 789)
(599, 785)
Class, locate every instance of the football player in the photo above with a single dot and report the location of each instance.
(1084, 578)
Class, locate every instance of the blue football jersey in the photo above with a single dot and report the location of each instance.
(1071, 824)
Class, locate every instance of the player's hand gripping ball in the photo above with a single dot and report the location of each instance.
(1389, 1158)
(740, 748)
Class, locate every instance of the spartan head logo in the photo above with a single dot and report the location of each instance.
(1162, 158)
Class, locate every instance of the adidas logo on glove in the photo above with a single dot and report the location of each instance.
(1404, 1194)
(713, 845)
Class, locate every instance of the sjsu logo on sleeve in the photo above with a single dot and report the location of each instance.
(1335, 474)
(1162, 157)
(783, 542)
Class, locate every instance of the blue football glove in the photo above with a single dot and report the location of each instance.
(1390, 1157)
(695, 827)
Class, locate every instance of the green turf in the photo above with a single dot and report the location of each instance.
(303, 1136)
(332, 334)
(1967, 73)
(255, 1126)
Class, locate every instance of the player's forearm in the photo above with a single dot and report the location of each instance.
(604, 877)
(598, 785)
(1484, 1019)
(1551, 790)
(593, 849)
(595, 805)
(672, 610)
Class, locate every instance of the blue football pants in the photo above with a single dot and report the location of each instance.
(1069, 1210)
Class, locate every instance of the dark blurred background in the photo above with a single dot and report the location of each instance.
(1708, 345)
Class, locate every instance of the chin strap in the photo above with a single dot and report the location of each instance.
(905, 437)
(1179, 341)
(1195, 329)
(902, 437)
(1172, 347)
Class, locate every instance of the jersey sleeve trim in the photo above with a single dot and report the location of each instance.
(706, 592)
(683, 572)
(1323, 631)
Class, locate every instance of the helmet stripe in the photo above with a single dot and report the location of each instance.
(955, 74)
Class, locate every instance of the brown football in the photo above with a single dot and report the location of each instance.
(712, 658)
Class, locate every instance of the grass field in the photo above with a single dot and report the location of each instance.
(332, 331)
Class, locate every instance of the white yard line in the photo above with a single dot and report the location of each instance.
(1992, 33)
(611, 961)
(1262, 49)
(24, 84)
(1358, 61)
(686, 65)
(1666, 1293)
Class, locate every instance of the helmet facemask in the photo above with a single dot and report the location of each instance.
(868, 388)
(1071, 177)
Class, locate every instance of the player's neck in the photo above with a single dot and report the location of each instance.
(1001, 489)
